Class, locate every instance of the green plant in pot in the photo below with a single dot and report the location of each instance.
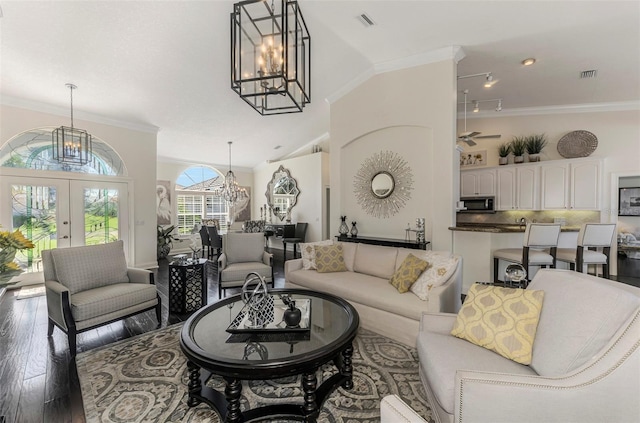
(535, 144)
(518, 147)
(503, 151)
(165, 240)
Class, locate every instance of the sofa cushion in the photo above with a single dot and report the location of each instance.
(440, 270)
(349, 253)
(110, 298)
(90, 266)
(408, 273)
(503, 320)
(329, 259)
(581, 314)
(363, 289)
(238, 271)
(243, 247)
(375, 260)
(442, 355)
(308, 252)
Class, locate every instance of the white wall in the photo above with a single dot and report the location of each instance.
(618, 136)
(138, 152)
(405, 112)
(311, 174)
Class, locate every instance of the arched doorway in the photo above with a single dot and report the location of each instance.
(57, 205)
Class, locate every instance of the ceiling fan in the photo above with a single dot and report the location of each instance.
(468, 136)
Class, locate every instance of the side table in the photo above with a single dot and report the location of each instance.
(187, 286)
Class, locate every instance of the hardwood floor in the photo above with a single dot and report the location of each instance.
(39, 380)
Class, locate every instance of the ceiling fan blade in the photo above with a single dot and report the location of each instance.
(469, 134)
(469, 142)
(489, 136)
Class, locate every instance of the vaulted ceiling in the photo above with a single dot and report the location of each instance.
(165, 64)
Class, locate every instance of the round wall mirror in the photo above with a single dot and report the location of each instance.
(382, 184)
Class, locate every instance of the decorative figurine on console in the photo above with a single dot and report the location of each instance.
(344, 229)
(420, 238)
(354, 230)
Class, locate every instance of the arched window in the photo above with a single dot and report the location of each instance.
(195, 199)
(34, 150)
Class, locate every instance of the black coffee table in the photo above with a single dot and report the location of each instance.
(210, 349)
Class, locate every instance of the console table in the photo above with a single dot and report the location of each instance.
(387, 242)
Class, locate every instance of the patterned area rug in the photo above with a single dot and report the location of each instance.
(145, 378)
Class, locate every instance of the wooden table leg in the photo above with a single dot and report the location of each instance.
(309, 386)
(347, 367)
(195, 386)
(233, 391)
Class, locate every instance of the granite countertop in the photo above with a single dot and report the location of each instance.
(500, 228)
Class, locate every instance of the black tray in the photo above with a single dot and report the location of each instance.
(274, 318)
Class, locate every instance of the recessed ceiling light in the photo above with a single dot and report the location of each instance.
(277, 147)
(528, 62)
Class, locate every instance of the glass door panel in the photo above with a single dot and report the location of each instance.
(35, 209)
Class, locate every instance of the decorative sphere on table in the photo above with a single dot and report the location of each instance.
(255, 298)
(515, 273)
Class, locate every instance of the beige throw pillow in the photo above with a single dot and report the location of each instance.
(503, 320)
(407, 273)
(329, 258)
(308, 251)
(441, 269)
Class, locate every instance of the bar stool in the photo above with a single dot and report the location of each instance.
(592, 236)
(537, 238)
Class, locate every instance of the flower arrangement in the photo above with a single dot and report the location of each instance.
(10, 244)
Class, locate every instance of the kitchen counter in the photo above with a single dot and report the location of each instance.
(498, 228)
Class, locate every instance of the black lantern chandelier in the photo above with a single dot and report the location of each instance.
(71, 145)
(270, 56)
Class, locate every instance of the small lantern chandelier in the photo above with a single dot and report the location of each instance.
(230, 190)
(270, 56)
(71, 145)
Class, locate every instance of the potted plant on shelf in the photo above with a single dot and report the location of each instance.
(503, 151)
(535, 144)
(518, 147)
(165, 240)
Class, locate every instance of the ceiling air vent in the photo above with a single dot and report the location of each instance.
(588, 74)
(366, 20)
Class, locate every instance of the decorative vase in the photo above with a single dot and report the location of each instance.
(354, 230)
(518, 159)
(503, 161)
(344, 229)
(163, 251)
(534, 157)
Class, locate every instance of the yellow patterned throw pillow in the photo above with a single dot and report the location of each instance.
(329, 259)
(408, 272)
(503, 320)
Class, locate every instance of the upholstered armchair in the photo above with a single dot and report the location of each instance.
(243, 253)
(91, 286)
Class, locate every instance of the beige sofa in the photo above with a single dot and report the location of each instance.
(366, 286)
(585, 365)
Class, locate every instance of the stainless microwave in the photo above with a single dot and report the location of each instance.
(478, 205)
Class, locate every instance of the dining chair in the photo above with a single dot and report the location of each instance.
(206, 242)
(298, 237)
(538, 248)
(594, 247)
(216, 241)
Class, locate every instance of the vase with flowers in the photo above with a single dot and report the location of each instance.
(10, 244)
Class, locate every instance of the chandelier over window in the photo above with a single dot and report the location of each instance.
(270, 56)
(71, 145)
(230, 190)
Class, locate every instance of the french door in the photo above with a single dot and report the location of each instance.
(61, 213)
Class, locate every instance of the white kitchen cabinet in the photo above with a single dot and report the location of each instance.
(517, 188)
(475, 183)
(573, 185)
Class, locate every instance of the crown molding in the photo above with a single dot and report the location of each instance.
(556, 110)
(455, 53)
(61, 111)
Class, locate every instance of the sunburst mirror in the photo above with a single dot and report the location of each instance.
(383, 184)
